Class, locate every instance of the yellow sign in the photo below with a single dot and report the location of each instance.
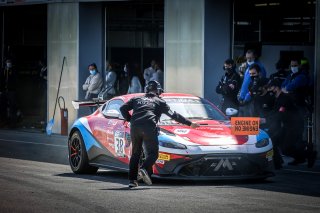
(163, 156)
(245, 125)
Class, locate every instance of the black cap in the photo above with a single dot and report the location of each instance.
(275, 82)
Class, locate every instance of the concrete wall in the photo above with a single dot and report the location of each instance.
(62, 42)
(183, 46)
(75, 31)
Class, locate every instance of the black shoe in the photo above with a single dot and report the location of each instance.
(145, 176)
(296, 162)
(133, 184)
(312, 159)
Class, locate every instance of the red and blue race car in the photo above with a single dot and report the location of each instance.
(210, 151)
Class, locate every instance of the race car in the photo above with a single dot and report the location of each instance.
(209, 152)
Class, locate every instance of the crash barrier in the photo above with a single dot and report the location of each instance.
(64, 116)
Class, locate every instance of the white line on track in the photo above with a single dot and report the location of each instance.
(302, 171)
(28, 142)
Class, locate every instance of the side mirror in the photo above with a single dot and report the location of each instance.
(231, 112)
(113, 114)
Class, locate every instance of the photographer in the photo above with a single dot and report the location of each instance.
(256, 97)
(228, 86)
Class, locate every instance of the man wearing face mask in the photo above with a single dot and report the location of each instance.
(93, 84)
(286, 129)
(228, 86)
(252, 58)
(256, 92)
(296, 83)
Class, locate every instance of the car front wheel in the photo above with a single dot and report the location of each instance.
(78, 157)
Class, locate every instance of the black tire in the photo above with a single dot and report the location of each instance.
(78, 158)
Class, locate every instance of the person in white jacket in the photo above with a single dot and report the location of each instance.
(134, 81)
(93, 84)
(109, 90)
(148, 72)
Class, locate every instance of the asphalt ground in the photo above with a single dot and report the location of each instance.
(35, 177)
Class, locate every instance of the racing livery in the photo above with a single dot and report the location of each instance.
(210, 151)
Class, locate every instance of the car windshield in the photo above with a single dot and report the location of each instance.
(193, 109)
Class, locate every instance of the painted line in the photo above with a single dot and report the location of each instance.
(28, 142)
(295, 170)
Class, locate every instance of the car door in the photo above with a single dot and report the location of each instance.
(117, 131)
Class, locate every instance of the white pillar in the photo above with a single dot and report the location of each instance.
(184, 46)
(62, 41)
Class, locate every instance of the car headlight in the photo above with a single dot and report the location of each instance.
(172, 144)
(262, 143)
(166, 132)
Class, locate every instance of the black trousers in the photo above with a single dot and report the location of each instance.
(144, 138)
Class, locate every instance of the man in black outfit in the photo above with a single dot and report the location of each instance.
(147, 110)
(229, 86)
(286, 129)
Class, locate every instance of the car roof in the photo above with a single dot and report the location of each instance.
(127, 97)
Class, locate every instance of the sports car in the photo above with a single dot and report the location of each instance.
(211, 151)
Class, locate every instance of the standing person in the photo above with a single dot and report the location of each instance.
(255, 88)
(281, 72)
(286, 129)
(252, 58)
(296, 83)
(123, 79)
(147, 110)
(228, 86)
(148, 72)
(93, 84)
(109, 90)
(134, 81)
(158, 75)
(8, 88)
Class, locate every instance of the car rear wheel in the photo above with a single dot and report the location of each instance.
(78, 157)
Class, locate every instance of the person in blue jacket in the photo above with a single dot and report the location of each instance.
(243, 98)
(296, 83)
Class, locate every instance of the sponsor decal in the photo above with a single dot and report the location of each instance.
(181, 131)
(164, 157)
(160, 161)
(112, 122)
(245, 125)
(223, 163)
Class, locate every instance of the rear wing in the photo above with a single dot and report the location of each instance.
(95, 102)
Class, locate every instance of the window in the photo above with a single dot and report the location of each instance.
(113, 105)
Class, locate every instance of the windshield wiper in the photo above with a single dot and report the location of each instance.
(200, 118)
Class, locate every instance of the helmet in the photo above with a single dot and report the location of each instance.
(154, 86)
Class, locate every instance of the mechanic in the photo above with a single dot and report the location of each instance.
(286, 129)
(229, 86)
(147, 110)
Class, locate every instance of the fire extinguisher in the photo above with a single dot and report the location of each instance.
(64, 117)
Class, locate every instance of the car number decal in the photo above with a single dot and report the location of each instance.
(119, 145)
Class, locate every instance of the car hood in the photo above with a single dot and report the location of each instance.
(209, 133)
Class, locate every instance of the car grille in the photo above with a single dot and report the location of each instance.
(224, 165)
